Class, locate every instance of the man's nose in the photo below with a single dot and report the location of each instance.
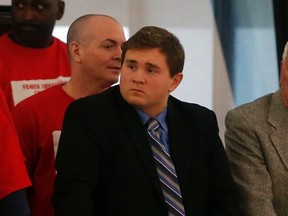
(29, 13)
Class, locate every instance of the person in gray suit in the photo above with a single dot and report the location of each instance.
(256, 140)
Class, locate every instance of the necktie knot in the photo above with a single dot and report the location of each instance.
(152, 124)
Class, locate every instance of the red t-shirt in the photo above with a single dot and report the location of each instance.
(13, 174)
(38, 120)
(25, 71)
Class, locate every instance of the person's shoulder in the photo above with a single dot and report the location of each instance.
(46, 93)
(252, 112)
(258, 106)
(58, 41)
(40, 99)
(4, 37)
(6, 42)
(189, 110)
(100, 102)
(187, 106)
(59, 45)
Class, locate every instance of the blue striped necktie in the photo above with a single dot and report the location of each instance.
(166, 171)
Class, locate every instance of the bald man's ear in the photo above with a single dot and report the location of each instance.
(61, 9)
(74, 49)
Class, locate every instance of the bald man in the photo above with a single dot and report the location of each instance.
(94, 49)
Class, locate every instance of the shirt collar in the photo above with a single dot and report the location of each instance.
(161, 118)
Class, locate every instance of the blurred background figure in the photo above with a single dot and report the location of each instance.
(31, 58)
(13, 175)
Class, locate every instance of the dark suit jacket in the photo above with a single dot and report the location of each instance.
(105, 164)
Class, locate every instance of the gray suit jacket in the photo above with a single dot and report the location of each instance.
(257, 145)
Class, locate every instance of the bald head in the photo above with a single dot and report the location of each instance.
(89, 26)
(94, 46)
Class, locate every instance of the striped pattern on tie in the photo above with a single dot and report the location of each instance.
(166, 171)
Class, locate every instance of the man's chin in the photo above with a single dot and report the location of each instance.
(114, 80)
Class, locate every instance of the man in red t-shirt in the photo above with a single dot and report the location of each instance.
(31, 58)
(94, 45)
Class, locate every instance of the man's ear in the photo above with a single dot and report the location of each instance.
(61, 9)
(74, 49)
(283, 70)
(176, 80)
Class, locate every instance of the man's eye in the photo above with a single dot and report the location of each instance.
(132, 67)
(20, 5)
(108, 46)
(40, 7)
(151, 70)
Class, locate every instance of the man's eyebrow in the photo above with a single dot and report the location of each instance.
(130, 61)
(110, 40)
(147, 64)
(152, 65)
(42, 1)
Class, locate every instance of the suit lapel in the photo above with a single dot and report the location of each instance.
(183, 142)
(176, 123)
(132, 124)
(278, 118)
(182, 130)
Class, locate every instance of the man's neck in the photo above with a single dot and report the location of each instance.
(31, 43)
(77, 91)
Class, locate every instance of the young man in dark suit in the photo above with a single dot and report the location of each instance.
(136, 150)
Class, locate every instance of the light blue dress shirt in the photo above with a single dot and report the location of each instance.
(163, 129)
